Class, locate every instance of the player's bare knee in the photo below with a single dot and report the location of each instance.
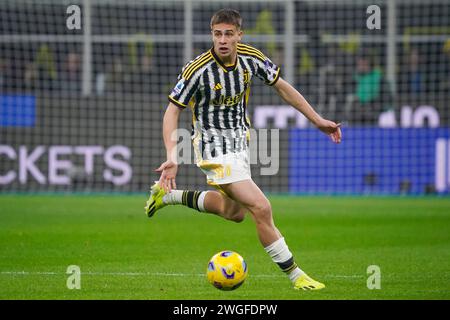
(237, 218)
(235, 215)
(262, 211)
(240, 215)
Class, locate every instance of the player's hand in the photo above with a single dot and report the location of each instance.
(332, 129)
(168, 172)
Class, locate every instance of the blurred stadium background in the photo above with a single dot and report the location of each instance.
(81, 113)
(81, 109)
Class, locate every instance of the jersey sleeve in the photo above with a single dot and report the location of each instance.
(267, 71)
(183, 91)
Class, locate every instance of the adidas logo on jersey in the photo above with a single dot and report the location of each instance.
(218, 86)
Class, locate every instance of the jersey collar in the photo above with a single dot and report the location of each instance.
(222, 65)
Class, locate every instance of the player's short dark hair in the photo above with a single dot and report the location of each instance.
(229, 16)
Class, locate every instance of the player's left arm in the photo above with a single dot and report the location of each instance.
(289, 94)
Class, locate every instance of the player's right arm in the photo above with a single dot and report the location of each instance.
(169, 168)
(179, 98)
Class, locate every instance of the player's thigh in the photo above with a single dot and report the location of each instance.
(220, 202)
(249, 195)
(228, 204)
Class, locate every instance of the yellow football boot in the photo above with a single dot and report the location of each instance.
(305, 282)
(155, 201)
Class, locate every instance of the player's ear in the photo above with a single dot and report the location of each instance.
(240, 34)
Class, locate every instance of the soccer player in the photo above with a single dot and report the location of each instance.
(215, 85)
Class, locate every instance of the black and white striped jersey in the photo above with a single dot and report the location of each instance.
(218, 97)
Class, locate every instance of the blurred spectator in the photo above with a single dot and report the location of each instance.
(145, 74)
(44, 69)
(2, 75)
(264, 25)
(372, 94)
(445, 81)
(412, 76)
(114, 76)
(31, 75)
(141, 76)
(40, 73)
(335, 81)
(139, 70)
(70, 80)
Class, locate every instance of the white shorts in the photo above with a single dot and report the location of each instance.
(228, 168)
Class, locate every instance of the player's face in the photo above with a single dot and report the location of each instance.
(225, 38)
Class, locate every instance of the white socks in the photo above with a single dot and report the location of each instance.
(280, 254)
(174, 197)
(201, 201)
(191, 199)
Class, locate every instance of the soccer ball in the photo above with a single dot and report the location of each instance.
(227, 270)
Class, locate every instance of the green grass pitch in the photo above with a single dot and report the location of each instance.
(124, 255)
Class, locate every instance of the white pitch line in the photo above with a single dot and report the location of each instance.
(38, 273)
